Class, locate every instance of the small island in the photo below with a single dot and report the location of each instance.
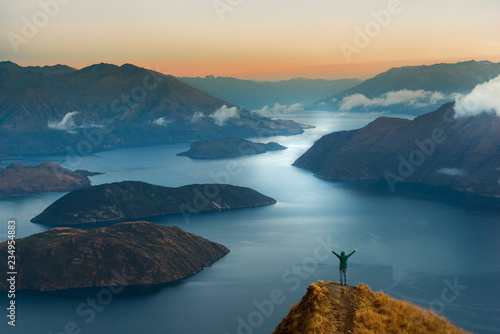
(228, 148)
(128, 200)
(18, 179)
(133, 253)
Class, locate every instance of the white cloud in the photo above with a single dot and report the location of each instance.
(66, 124)
(452, 171)
(162, 121)
(413, 98)
(282, 109)
(223, 114)
(197, 116)
(484, 97)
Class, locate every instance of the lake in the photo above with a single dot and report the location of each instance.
(436, 248)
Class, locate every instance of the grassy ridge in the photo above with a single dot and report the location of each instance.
(329, 308)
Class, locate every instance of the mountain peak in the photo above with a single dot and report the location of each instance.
(9, 65)
(101, 68)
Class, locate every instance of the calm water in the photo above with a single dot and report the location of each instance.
(413, 244)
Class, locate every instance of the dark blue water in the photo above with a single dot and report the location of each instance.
(436, 248)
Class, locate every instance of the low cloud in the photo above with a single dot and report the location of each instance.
(223, 114)
(452, 171)
(412, 98)
(66, 124)
(484, 98)
(282, 109)
(162, 121)
(197, 116)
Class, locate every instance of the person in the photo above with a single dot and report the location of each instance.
(343, 265)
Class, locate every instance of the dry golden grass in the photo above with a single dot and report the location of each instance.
(311, 315)
(379, 313)
(329, 308)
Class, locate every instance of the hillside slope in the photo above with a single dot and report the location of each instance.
(17, 179)
(329, 308)
(434, 149)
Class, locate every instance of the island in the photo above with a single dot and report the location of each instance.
(227, 148)
(329, 308)
(128, 200)
(18, 179)
(436, 149)
(132, 253)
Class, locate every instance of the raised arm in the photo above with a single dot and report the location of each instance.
(335, 253)
(355, 249)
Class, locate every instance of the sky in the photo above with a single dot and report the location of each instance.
(254, 39)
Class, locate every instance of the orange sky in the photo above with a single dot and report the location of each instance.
(258, 39)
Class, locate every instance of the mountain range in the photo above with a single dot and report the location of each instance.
(55, 109)
(411, 89)
(252, 94)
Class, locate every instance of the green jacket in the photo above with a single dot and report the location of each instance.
(343, 259)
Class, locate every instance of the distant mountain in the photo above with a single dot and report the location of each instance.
(434, 149)
(138, 253)
(43, 70)
(104, 106)
(132, 199)
(228, 147)
(32, 122)
(252, 94)
(16, 179)
(411, 89)
(330, 308)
